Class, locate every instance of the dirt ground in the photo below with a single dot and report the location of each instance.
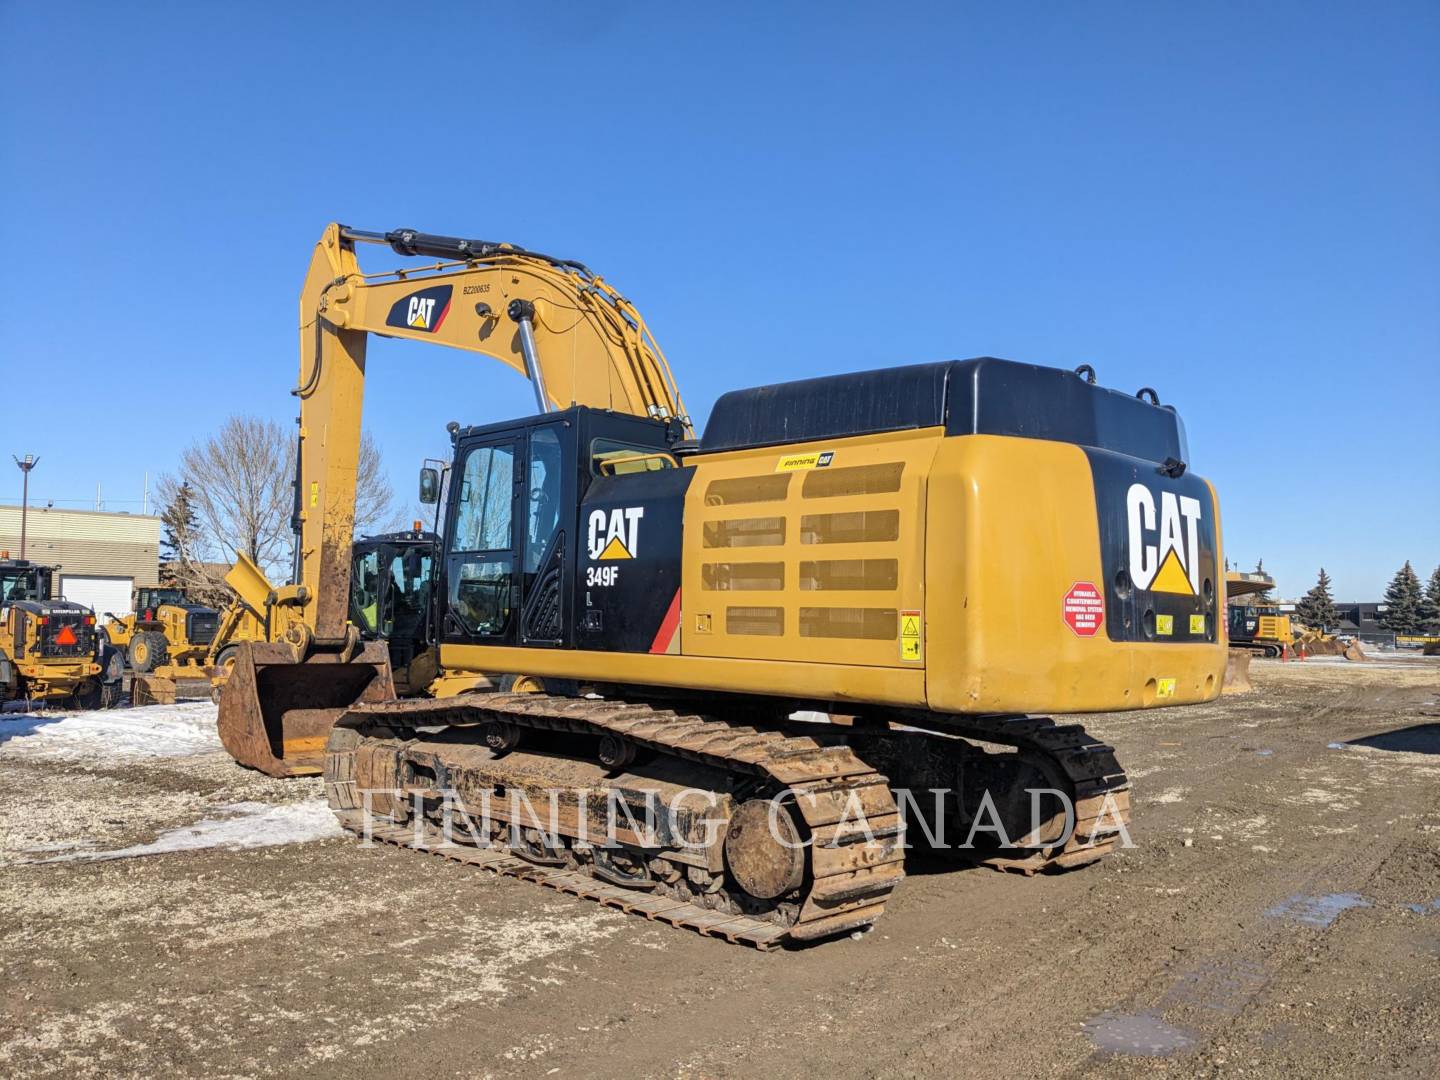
(1278, 914)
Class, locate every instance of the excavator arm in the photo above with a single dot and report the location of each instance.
(574, 336)
(570, 333)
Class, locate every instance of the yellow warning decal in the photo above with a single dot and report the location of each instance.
(911, 633)
(1197, 624)
(1164, 688)
(615, 549)
(1165, 625)
(796, 462)
(314, 493)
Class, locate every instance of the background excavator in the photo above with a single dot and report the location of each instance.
(915, 558)
(391, 603)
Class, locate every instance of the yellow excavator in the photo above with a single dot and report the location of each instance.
(819, 619)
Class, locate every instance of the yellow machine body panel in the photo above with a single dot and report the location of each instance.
(1012, 530)
(791, 561)
(962, 575)
(1275, 628)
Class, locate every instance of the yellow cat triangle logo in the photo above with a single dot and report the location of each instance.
(616, 550)
(1171, 577)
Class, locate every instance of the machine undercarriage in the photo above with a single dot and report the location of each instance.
(760, 833)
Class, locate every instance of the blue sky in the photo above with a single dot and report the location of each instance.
(1237, 204)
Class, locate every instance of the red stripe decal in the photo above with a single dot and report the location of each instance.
(441, 319)
(666, 634)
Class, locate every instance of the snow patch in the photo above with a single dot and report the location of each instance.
(244, 825)
(166, 731)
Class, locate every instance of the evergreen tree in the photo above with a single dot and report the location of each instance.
(1317, 609)
(1430, 611)
(180, 532)
(1403, 600)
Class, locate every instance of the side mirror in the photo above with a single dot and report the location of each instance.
(429, 486)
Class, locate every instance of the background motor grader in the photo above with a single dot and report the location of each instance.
(166, 640)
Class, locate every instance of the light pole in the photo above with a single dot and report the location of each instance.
(25, 466)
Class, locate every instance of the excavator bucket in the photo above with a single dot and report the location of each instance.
(276, 714)
(1237, 672)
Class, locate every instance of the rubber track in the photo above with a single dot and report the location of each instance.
(1089, 766)
(851, 875)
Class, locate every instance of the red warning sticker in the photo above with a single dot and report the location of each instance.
(1083, 608)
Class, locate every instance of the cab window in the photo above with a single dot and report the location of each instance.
(481, 550)
(611, 457)
(365, 593)
(543, 491)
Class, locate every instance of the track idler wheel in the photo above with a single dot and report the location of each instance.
(764, 850)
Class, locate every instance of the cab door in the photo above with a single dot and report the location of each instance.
(547, 534)
(482, 575)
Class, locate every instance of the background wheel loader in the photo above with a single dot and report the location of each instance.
(164, 628)
(48, 648)
(165, 640)
(932, 552)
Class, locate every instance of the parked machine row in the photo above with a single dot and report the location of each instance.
(59, 652)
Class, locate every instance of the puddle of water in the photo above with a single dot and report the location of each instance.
(1336, 746)
(1426, 909)
(1316, 910)
(1223, 985)
(1264, 753)
(1141, 1034)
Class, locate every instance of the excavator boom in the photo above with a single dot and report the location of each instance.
(567, 330)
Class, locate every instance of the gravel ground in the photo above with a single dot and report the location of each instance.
(1278, 914)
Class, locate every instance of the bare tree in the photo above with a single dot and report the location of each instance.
(374, 497)
(240, 482)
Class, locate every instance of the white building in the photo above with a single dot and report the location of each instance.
(101, 556)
